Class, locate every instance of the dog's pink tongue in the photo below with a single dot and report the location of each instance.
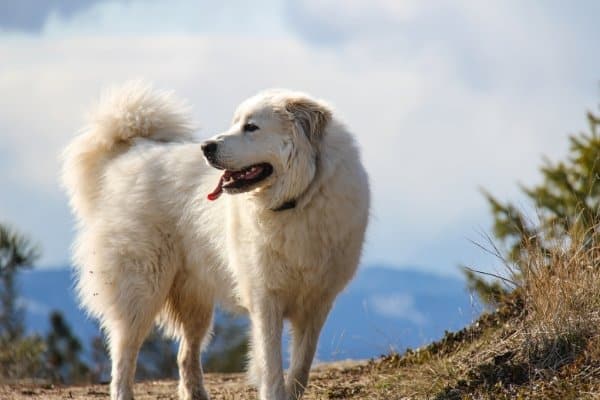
(217, 192)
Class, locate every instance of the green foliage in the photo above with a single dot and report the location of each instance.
(567, 203)
(491, 293)
(55, 357)
(230, 347)
(20, 356)
(158, 358)
(63, 352)
(233, 359)
(100, 367)
(16, 250)
(16, 253)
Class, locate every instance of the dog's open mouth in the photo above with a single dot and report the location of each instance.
(240, 181)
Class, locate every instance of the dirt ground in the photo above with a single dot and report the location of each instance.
(328, 381)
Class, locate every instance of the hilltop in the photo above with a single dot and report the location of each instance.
(482, 361)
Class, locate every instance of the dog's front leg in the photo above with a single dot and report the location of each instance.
(265, 363)
(306, 326)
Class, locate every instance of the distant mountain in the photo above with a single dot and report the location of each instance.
(383, 308)
(387, 308)
(45, 290)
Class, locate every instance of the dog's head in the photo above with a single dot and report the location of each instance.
(271, 147)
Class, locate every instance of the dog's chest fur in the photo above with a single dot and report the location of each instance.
(290, 253)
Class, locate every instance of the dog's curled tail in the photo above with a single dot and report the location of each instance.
(124, 113)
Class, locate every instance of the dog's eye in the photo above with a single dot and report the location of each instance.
(249, 127)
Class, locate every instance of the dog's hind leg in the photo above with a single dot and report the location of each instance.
(134, 299)
(125, 340)
(188, 312)
(306, 327)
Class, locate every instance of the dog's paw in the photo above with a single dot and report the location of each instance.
(198, 393)
(293, 392)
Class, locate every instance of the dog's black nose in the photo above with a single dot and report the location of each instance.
(209, 148)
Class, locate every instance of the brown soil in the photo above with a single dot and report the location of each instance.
(328, 381)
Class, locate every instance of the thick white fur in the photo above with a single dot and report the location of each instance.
(150, 247)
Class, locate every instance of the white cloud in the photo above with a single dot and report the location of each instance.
(353, 18)
(397, 305)
(437, 111)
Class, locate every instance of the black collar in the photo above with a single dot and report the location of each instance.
(286, 206)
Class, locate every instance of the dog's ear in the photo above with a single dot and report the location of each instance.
(310, 116)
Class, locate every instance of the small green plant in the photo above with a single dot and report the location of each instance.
(17, 253)
(20, 356)
(63, 353)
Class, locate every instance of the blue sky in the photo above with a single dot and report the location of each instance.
(444, 97)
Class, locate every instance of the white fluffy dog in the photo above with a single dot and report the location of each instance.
(152, 247)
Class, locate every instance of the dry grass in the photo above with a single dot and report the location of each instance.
(543, 342)
(561, 290)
